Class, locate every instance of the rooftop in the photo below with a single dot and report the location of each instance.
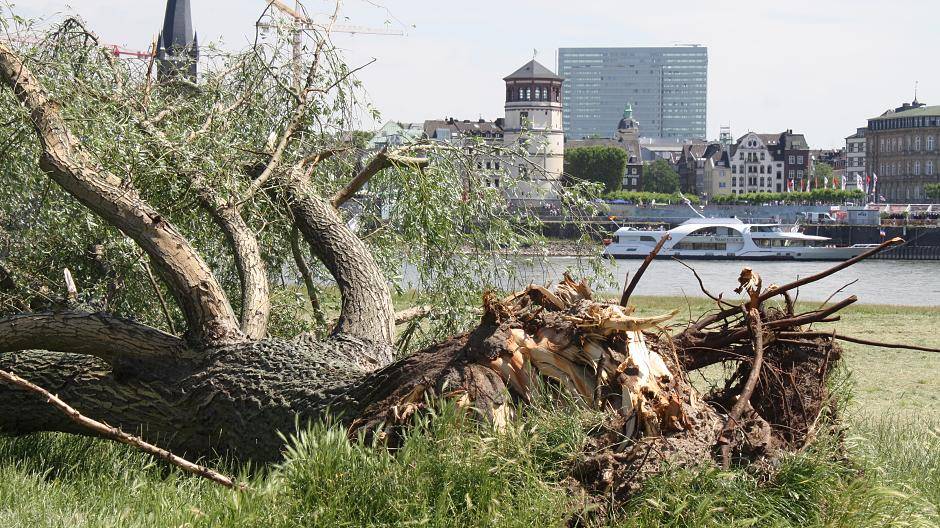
(533, 70)
(923, 111)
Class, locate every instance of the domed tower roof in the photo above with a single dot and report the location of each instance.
(627, 122)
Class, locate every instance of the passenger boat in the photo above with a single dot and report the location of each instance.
(729, 238)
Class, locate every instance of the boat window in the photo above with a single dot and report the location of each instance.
(647, 239)
(702, 246)
(775, 242)
(705, 231)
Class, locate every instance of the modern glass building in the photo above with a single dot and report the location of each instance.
(666, 87)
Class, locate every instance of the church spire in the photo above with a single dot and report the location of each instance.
(178, 47)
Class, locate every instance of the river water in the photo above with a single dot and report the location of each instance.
(900, 282)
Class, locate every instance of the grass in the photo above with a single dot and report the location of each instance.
(455, 472)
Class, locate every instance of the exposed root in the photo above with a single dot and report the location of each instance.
(612, 360)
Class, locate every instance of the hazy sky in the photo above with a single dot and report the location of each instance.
(819, 67)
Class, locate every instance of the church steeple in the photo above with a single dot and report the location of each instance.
(177, 45)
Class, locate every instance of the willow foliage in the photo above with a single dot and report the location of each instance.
(440, 232)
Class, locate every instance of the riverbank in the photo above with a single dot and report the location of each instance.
(556, 247)
(898, 282)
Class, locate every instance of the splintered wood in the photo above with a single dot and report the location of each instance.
(594, 349)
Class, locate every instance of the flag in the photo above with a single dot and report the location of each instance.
(867, 183)
(842, 180)
(858, 181)
(825, 182)
(874, 184)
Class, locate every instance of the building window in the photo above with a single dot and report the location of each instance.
(917, 168)
(799, 160)
(930, 143)
(791, 159)
(929, 168)
(917, 143)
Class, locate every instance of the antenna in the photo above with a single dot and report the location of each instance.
(915, 90)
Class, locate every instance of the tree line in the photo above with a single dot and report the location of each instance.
(607, 166)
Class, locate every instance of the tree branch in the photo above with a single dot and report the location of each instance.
(744, 399)
(252, 272)
(780, 290)
(307, 277)
(410, 314)
(201, 298)
(378, 163)
(366, 311)
(156, 290)
(858, 340)
(113, 433)
(95, 334)
(628, 290)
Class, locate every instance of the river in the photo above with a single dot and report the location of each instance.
(900, 282)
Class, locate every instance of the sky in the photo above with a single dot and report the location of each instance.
(820, 67)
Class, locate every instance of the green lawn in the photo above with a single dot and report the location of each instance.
(454, 472)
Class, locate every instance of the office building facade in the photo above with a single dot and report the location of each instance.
(666, 87)
(903, 152)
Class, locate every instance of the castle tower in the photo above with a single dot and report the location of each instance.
(533, 117)
(177, 45)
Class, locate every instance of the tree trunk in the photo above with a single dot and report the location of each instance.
(367, 312)
(238, 399)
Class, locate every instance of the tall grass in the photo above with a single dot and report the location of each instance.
(454, 472)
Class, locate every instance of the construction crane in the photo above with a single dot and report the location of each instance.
(124, 53)
(117, 51)
(306, 22)
(303, 22)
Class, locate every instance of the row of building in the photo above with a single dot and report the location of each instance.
(662, 94)
(660, 114)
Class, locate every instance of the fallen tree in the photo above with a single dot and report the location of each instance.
(225, 386)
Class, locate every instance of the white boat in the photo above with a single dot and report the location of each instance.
(729, 238)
